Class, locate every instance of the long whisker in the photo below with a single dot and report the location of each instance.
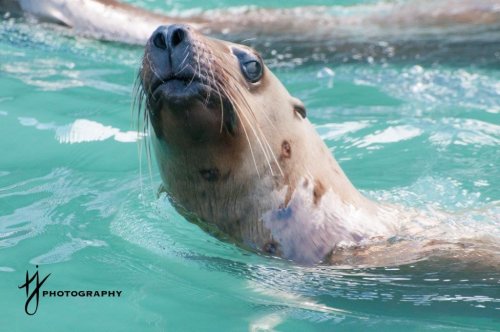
(139, 104)
(184, 66)
(236, 107)
(216, 84)
(270, 150)
(207, 99)
(238, 97)
(234, 76)
(252, 127)
(154, 72)
(185, 57)
(258, 141)
(249, 144)
(198, 69)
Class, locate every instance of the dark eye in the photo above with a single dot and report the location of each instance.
(252, 70)
(251, 65)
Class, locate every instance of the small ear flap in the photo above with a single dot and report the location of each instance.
(299, 108)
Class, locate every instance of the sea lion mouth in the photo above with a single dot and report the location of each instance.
(178, 92)
(177, 89)
(173, 79)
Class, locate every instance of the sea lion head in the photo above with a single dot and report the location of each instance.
(206, 92)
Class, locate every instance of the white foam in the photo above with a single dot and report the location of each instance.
(266, 323)
(6, 269)
(57, 74)
(332, 131)
(465, 132)
(390, 135)
(290, 303)
(64, 251)
(481, 183)
(83, 130)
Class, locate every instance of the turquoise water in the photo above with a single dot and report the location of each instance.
(78, 201)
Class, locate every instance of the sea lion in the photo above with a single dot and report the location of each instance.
(238, 155)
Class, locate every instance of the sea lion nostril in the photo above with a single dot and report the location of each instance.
(159, 40)
(177, 36)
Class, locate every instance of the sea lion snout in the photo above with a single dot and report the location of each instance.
(170, 37)
(170, 54)
(186, 85)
